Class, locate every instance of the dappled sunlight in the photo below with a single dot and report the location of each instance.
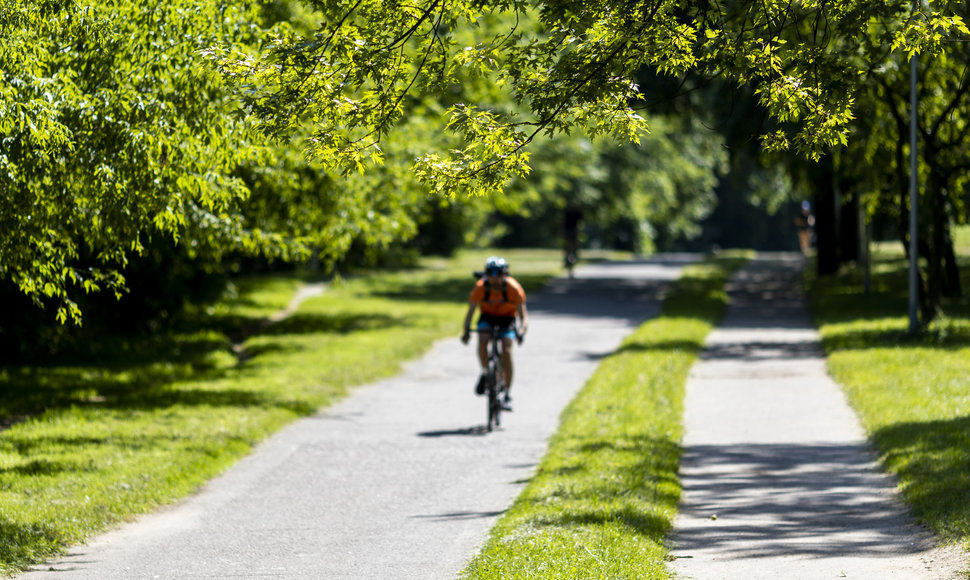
(910, 390)
(933, 460)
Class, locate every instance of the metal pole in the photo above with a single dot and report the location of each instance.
(863, 225)
(913, 194)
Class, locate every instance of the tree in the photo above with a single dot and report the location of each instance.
(120, 142)
(637, 197)
(113, 135)
(874, 170)
(944, 158)
(566, 64)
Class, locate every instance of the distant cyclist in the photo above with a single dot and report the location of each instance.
(571, 219)
(501, 300)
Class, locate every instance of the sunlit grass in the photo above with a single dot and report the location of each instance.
(605, 495)
(99, 444)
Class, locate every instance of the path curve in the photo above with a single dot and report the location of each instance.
(398, 480)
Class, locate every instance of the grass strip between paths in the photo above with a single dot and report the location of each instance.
(605, 495)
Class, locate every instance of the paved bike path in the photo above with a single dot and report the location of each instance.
(778, 479)
(398, 480)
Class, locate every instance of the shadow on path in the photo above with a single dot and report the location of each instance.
(778, 478)
(627, 290)
(784, 500)
(476, 431)
(460, 516)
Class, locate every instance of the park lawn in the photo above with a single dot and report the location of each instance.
(912, 393)
(604, 496)
(96, 444)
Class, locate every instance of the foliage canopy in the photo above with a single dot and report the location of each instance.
(567, 64)
(116, 132)
(111, 134)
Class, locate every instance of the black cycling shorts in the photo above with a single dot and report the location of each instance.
(505, 323)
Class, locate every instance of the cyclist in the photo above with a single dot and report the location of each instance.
(572, 217)
(501, 300)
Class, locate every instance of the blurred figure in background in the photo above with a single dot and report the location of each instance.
(570, 233)
(805, 222)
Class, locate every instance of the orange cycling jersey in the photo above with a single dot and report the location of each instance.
(499, 301)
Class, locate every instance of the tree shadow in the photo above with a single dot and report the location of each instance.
(449, 289)
(342, 323)
(40, 467)
(941, 337)
(631, 301)
(932, 460)
(790, 500)
(140, 373)
(752, 351)
(23, 541)
(645, 347)
(629, 481)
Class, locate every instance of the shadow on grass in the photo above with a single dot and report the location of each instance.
(940, 337)
(624, 481)
(843, 299)
(40, 467)
(646, 347)
(161, 398)
(633, 518)
(138, 374)
(342, 323)
(450, 289)
(932, 461)
(23, 541)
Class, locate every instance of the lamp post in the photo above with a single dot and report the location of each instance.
(913, 193)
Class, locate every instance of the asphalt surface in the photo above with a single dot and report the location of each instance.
(399, 480)
(778, 479)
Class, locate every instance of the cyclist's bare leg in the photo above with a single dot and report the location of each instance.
(507, 362)
(483, 350)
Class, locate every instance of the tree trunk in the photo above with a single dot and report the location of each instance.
(826, 218)
(952, 288)
(849, 231)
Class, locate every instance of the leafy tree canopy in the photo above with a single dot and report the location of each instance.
(566, 63)
(111, 132)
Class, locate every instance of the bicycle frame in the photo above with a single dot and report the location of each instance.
(494, 382)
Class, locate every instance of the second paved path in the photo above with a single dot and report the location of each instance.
(397, 481)
(778, 480)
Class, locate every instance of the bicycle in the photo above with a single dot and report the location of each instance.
(494, 381)
(569, 261)
(570, 254)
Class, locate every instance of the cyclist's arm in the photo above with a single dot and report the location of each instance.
(466, 326)
(523, 313)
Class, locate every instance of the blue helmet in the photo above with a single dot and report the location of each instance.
(496, 265)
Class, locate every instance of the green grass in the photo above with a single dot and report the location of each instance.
(912, 393)
(604, 496)
(101, 443)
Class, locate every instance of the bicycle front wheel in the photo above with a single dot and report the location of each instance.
(493, 401)
(494, 410)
